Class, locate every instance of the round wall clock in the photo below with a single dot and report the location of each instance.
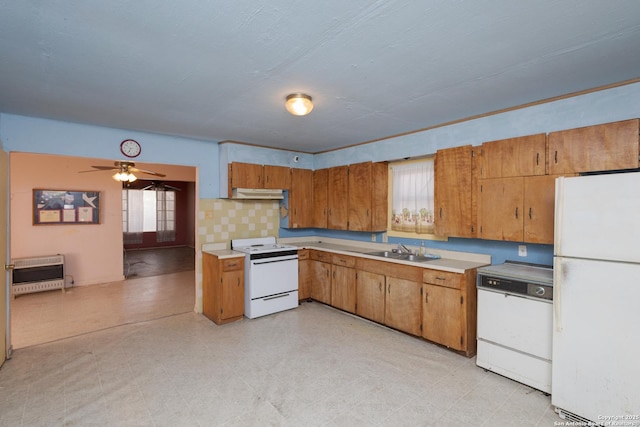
(130, 148)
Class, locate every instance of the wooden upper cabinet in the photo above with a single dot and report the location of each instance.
(453, 192)
(609, 146)
(367, 201)
(320, 197)
(249, 175)
(521, 156)
(337, 192)
(539, 203)
(500, 212)
(245, 175)
(301, 198)
(277, 177)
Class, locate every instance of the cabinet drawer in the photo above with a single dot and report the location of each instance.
(442, 278)
(321, 256)
(232, 264)
(303, 254)
(343, 260)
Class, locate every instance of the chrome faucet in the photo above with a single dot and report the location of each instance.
(403, 249)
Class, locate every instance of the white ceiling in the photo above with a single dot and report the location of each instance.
(220, 70)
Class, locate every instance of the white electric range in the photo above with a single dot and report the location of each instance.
(270, 274)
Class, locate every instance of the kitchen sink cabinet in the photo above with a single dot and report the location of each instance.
(367, 201)
(343, 283)
(222, 288)
(521, 156)
(304, 274)
(301, 199)
(608, 146)
(453, 192)
(403, 310)
(320, 198)
(370, 295)
(320, 276)
(337, 198)
(449, 309)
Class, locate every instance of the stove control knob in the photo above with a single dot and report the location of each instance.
(540, 291)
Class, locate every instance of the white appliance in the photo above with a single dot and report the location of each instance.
(270, 275)
(596, 343)
(515, 322)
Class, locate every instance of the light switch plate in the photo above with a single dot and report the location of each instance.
(522, 250)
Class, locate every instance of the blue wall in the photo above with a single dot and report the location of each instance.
(27, 134)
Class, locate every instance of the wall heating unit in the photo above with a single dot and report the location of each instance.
(270, 274)
(37, 274)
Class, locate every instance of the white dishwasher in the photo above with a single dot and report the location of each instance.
(515, 322)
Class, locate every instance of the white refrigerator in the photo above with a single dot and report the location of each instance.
(596, 299)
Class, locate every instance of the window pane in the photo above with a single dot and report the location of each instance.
(412, 197)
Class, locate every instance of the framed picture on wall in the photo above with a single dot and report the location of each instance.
(66, 207)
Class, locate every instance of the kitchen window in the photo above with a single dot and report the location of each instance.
(411, 190)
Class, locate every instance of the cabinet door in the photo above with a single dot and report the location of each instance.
(337, 198)
(360, 182)
(246, 175)
(379, 196)
(304, 275)
(321, 281)
(277, 177)
(402, 305)
(608, 146)
(521, 156)
(320, 197)
(442, 316)
(301, 199)
(370, 295)
(500, 215)
(343, 288)
(453, 213)
(232, 294)
(539, 203)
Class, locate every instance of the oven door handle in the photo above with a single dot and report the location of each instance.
(275, 296)
(272, 260)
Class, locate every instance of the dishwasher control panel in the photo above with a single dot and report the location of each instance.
(518, 279)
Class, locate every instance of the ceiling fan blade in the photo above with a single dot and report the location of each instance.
(100, 168)
(147, 172)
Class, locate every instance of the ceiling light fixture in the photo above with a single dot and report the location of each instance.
(299, 104)
(124, 175)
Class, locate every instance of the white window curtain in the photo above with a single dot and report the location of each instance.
(165, 216)
(132, 216)
(412, 210)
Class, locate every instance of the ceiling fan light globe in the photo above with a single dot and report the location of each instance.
(131, 177)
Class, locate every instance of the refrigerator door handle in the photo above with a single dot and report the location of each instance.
(557, 298)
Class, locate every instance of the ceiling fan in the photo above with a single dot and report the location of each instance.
(160, 186)
(125, 171)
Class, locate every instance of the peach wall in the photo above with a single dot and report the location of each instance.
(93, 253)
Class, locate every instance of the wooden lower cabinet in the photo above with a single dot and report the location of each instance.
(370, 295)
(222, 288)
(402, 305)
(449, 309)
(304, 275)
(436, 305)
(320, 276)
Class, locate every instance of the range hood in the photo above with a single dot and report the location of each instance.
(256, 194)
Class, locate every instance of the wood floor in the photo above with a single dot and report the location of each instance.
(157, 261)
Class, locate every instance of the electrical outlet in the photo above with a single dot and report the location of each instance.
(373, 237)
(385, 238)
(522, 250)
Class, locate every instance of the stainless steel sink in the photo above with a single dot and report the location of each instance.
(404, 256)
